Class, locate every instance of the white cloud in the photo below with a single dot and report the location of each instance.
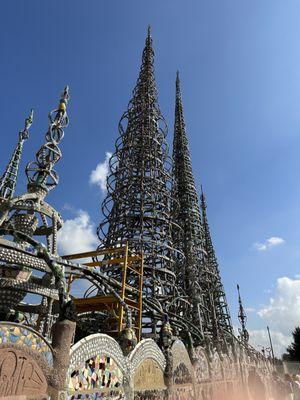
(269, 243)
(283, 310)
(282, 315)
(99, 174)
(249, 309)
(77, 234)
(259, 338)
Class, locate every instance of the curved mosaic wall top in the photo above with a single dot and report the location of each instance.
(97, 368)
(93, 345)
(146, 348)
(181, 356)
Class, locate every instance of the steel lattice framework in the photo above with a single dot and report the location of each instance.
(137, 208)
(202, 279)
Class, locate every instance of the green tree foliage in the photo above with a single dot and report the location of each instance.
(294, 348)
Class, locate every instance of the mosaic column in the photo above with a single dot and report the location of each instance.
(63, 333)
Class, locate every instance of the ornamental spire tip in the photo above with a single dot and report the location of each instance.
(31, 115)
(24, 134)
(203, 202)
(177, 83)
(65, 94)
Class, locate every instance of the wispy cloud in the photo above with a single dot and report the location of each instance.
(250, 309)
(269, 243)
(99, 174)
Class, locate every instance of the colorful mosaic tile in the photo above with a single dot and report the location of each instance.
(22, 336)
(99, 372)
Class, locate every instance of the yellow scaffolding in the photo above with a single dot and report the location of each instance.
(132, 296)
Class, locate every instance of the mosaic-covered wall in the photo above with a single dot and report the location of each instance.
(98, 369)
(20, 335)
(26, 361)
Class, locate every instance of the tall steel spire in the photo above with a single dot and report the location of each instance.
(8, 180)
(137, 208)
(202, 280)
(189, 217)
(217, 292)
(244, 335)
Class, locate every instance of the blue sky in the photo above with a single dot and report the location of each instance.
(240, 71)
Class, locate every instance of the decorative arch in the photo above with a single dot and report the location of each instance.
(98, 368)
(201, 368)
(92, 345)
(146, 349)
(234, 365)
(227, 367)
(147, 365)
(183, 373)
(181, 356)
(216, 367)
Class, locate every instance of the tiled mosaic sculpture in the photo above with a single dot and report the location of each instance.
(24, 336)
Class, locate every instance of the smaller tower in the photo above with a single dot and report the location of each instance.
(188, 217)
(220, 309)
(8, 180)
(29, 217)
(244, 335)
